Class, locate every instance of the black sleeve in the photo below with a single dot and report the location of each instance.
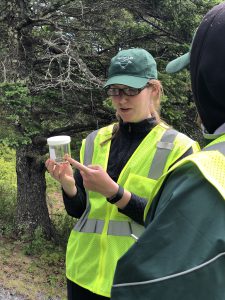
(75, 206)
(135, 208)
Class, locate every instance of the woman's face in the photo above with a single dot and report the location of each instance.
(132, 108)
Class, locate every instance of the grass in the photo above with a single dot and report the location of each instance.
(30, 275)
(33, 268)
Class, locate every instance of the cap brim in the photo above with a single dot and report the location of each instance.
(132, 81)
(178, 64)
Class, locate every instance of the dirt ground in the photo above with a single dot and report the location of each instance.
(26, 275)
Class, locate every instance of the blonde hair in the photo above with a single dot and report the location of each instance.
(156, 100)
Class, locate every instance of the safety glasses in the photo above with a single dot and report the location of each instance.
(129, 91)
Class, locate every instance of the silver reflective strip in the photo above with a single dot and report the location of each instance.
(136, 229)
(89, 148)
(171, 276)
(80, 223)
(88, 154)
(219, 147)
(92, 226)
(125, 228)
(164, 147)
(119, 228)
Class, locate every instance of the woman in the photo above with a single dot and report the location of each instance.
(124, 162)
(181, 254)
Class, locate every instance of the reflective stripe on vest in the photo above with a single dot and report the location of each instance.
(121, 228)
(89, 148)
(164, 147)
(219, 147)
(125, 228)
(88, 154)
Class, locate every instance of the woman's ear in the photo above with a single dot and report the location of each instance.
(155, 86)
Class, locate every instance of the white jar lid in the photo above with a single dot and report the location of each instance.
(58, 140)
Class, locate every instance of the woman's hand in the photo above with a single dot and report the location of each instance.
(63, 173)
(95, 178)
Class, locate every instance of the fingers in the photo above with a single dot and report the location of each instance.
(66, 170)
(78, 165)
(82, 168)
(53, 168)
(50, 164)
(95, 167)
(56, 172)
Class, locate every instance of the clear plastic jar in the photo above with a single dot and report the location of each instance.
(58, 147)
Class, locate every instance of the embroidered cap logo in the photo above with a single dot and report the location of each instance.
(132, 67)
(125, 61)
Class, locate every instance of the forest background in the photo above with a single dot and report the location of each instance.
(54, 58)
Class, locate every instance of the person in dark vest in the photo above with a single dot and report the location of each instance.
(181, 254)
(119, 166)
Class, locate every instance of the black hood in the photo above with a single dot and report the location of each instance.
(207, 66)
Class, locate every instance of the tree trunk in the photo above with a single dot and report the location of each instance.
(32, 211)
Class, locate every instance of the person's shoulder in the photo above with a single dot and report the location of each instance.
(186, 139)
(103, 130)
(181, 139)
(185, 142)
(191, 178)
(187, 187)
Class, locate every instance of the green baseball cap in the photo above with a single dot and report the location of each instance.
(132, 67)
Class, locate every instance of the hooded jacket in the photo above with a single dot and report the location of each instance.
(181, 254)
(207, 67)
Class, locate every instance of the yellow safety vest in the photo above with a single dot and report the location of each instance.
(211, 163)
(102, 235)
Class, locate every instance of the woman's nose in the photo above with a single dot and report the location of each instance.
(122, 96)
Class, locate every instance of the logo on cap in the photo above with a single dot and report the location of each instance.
(124, 61)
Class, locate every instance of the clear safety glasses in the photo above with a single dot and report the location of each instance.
(128, 91)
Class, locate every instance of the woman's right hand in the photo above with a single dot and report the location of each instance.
(63, 173)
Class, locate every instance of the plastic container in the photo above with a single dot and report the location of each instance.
(58, 147)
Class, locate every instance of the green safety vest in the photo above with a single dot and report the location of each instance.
(211, 163)
(102, 235)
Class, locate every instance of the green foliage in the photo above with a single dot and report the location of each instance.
(63, 224)
(37, 245)
(53, 67)
(15, 107)
(7, 190)
(7, 170)
(61, 221)
(52, 184)
(108, 103)
(7, 211)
